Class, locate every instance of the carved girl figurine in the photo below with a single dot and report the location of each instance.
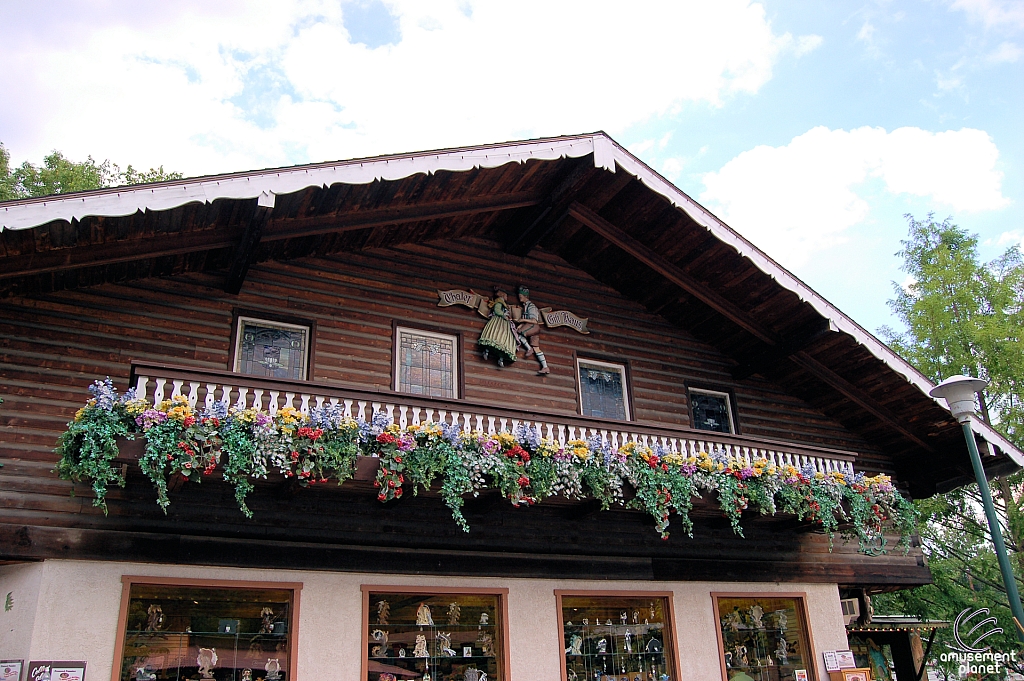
(454, 612)
(421, 646)
(499, 335)
(575, 645)
(756, 613)
(383, 612)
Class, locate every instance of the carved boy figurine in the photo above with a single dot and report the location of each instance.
(529, 329)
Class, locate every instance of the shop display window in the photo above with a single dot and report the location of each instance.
(764, 638)
(617, 637)
(433, 635)
(223, 632)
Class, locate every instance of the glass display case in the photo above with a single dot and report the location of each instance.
(624, 637)
(197, 632)
(764, 638)
(431, 636)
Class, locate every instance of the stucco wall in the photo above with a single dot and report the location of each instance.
(22, 583)
(78, 603)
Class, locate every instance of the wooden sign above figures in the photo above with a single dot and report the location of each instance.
(510, 328)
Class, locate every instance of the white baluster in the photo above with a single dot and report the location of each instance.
(320, 402)
(158, 394)
(177, 388)
(243, 397)
(210, 389)
(140, 387)
(193, 394)
(304, 403)
(390, 409)
(490, 425)
(442, 416)
(402, 420)
(289, 400)
(225, 395)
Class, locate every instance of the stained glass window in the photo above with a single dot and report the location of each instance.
(764, 638)
(603, 390)
(617, 638)
(711, 411)
(272, 349)
(184, 632)
(426, 363)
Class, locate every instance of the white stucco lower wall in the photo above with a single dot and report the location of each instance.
(76, 615)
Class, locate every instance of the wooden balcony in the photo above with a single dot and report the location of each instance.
(204, 387)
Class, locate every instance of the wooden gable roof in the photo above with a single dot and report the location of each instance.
(583, 197)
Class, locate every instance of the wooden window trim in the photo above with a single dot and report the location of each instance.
(367, 589)
(460, 367)
(126, 587)
(800, 596)
(669, 597)
(717, 389)
(236, 313)
(627, 381)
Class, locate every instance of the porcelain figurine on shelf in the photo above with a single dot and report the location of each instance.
(602, 646)
(629, 641)
(383, 612)
(155, 618)
(206, 661)
(267, 625)
(782, 620)
(636, 617)
(782, 652)
(246, 675)
(421, 647)
(586, 622)
(454, 612)
(756, 613)
(484, 619)
(486, 643)
(444, 644)
(623, 617)
(575, 645)
(728, 660)
(654, 646)
(734, 620)
(740, 657)
(273, 668)
(381, 637)
(423, 617)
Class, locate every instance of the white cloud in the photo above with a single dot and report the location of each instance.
(1007, 52)
(1003, 13)
(800, 198)
(215, 86)
(672, 167)
(807, 43)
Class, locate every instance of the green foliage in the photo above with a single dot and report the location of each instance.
(59, 175)
(964, 316)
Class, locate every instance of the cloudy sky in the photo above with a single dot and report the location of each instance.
(811, 127)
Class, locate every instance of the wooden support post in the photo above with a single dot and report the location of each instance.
(245, 254)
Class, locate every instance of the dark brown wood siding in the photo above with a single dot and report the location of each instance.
(54, 345)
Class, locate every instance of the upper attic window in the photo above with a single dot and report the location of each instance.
(426, 363)
(271, 349)
(712, 410)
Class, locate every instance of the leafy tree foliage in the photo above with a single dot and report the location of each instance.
(964, 316)
(58, 175)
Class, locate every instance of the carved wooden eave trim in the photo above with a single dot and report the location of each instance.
(607, 155)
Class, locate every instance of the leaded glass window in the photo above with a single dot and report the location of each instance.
(711, 411)
(764, 636)
(271, 349)
(603, 392)
(426, 363)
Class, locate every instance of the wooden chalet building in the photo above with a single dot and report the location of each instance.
(366, 287)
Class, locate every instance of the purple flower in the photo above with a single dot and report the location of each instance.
(807, 470)
(263, 419)
(528, 436)
(327, 417)
(407, 443)
(218, 410)
(150, 418)
(105, 393)
(491, 446)
(451, 432)
(747, 472)
(689, 468)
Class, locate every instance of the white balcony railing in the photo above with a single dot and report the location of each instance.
(203, 388)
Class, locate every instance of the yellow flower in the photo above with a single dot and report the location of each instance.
(137, 406)
(579, 449)
(673, 459)
(505, 439)
(80, 414)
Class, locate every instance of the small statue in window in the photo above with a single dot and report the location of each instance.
(267, 626)
(575, 645)
(423, 617)
(154, 618)
(444, 645)
(486, 643)
(383, 612)
(782, 652)
(206, 661)
(421, 647)
(756, 613)
(454, 612)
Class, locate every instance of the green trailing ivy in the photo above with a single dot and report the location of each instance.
(324, 445)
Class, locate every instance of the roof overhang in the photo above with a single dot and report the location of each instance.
(608, 155)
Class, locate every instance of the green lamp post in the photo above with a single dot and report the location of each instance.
(959, 393)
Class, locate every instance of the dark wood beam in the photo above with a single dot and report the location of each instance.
(245, 253)
(855, 395)
(764, 362)
(290, 228)
(673, 273)
(546, 216)
(737, 315)
(160, 245)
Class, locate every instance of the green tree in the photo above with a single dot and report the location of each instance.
(58, 175)
(963, 316)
